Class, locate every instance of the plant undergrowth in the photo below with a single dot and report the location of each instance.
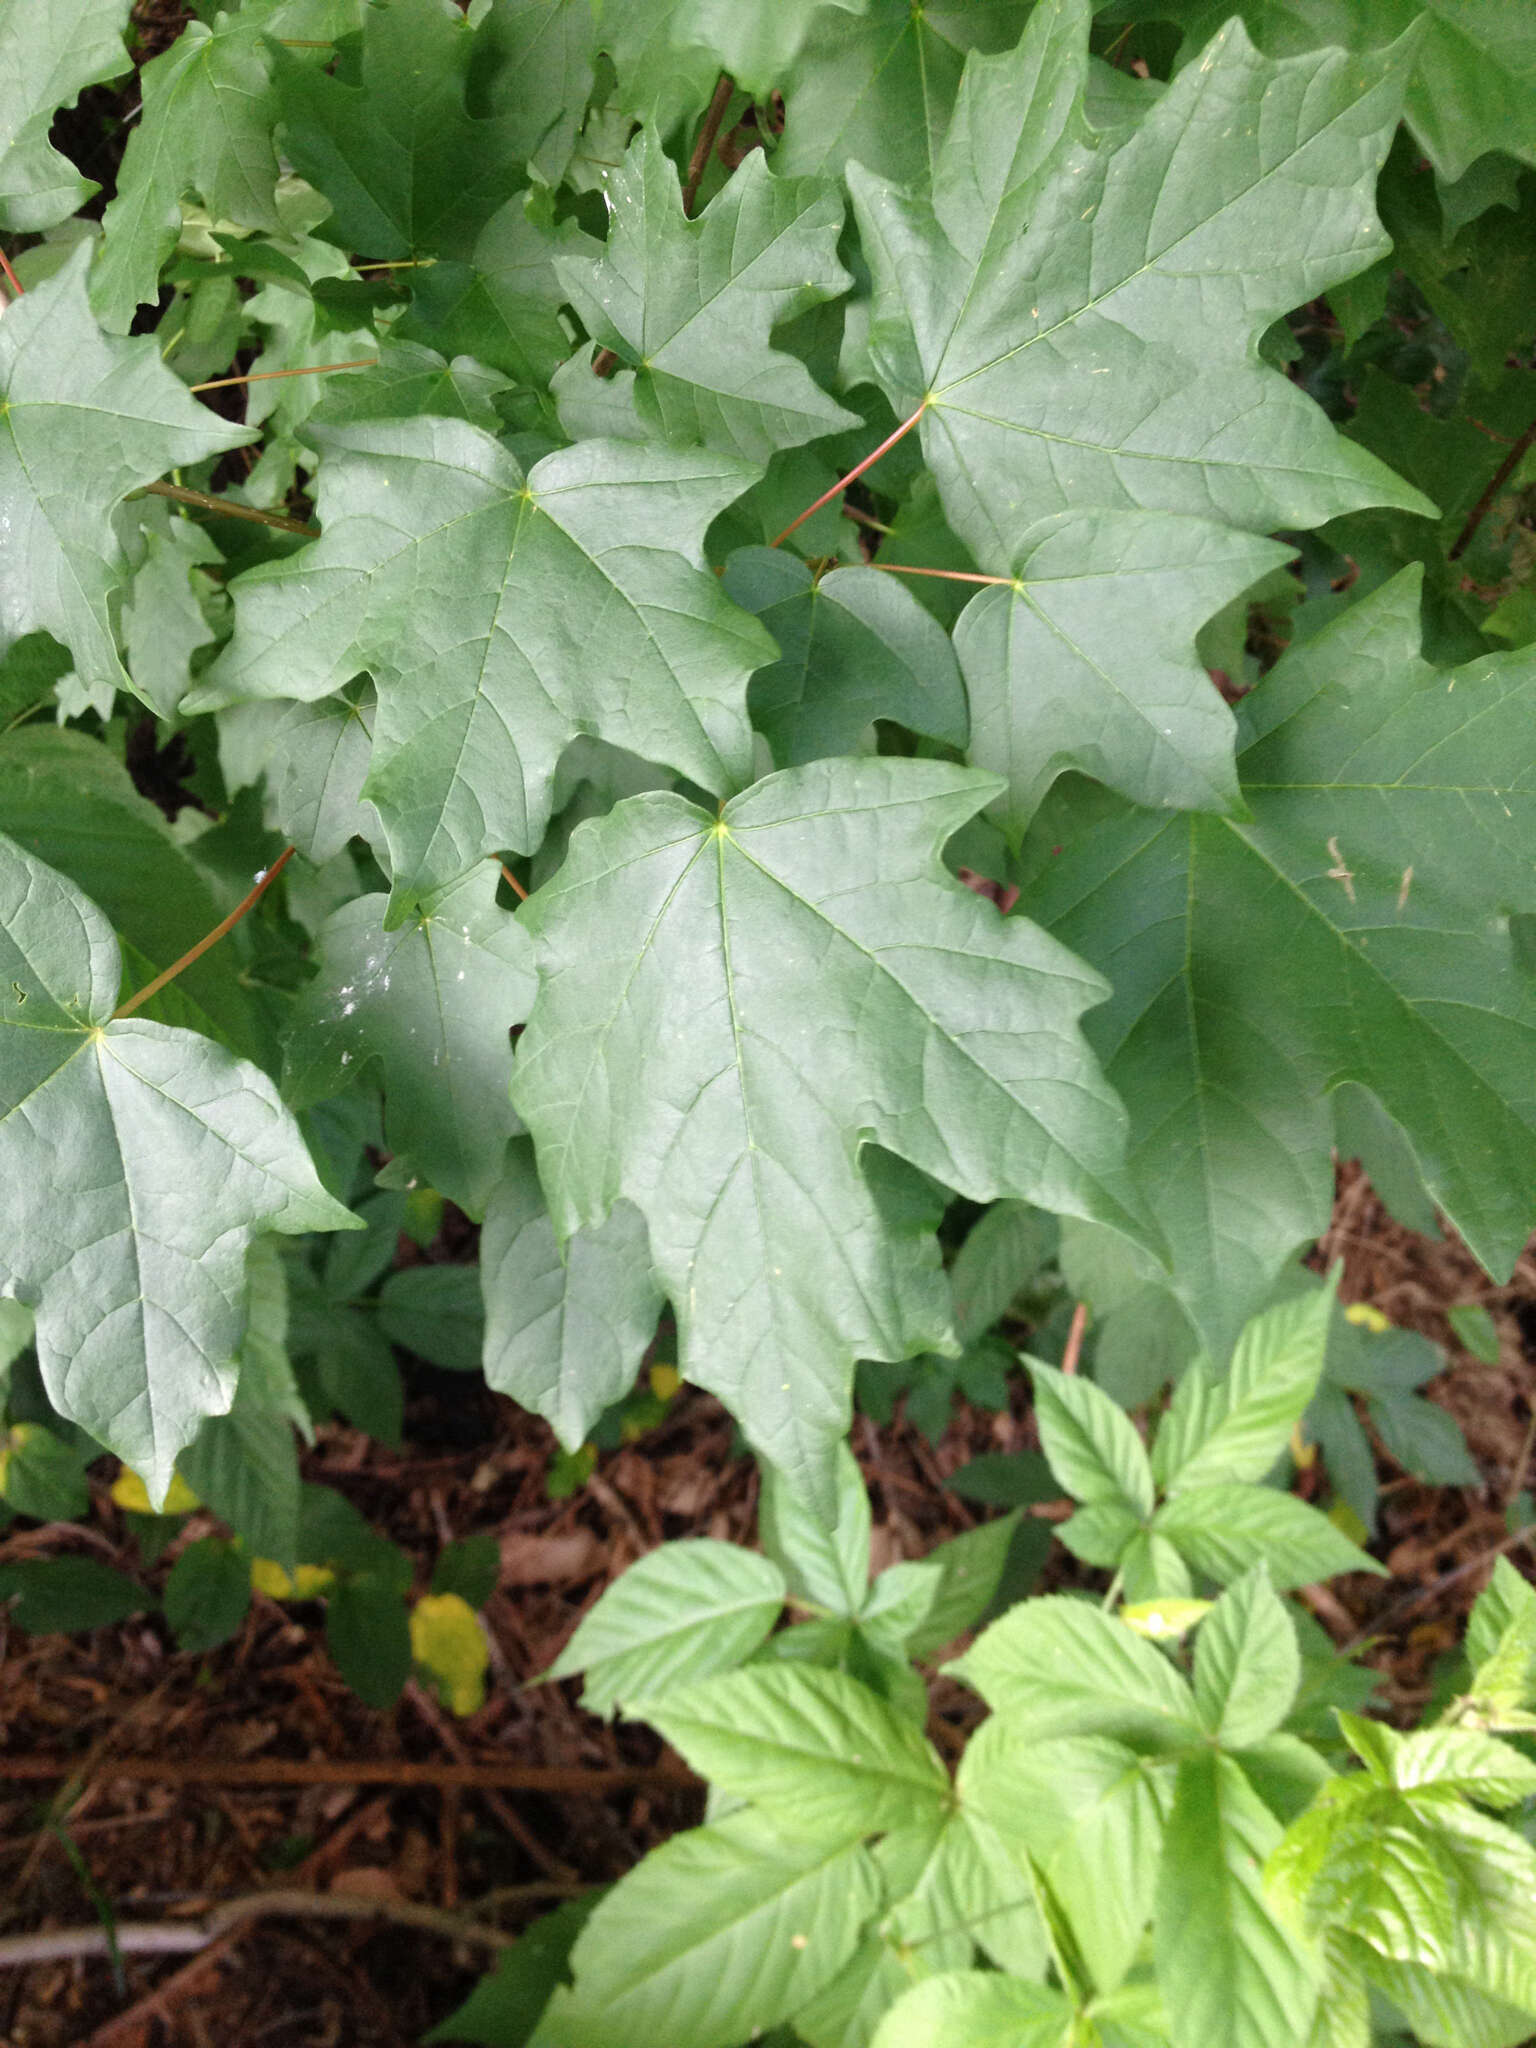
(817, 682)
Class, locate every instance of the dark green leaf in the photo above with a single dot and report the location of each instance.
(63, 1594)
(208, 1594)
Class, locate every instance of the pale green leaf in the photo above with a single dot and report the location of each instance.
(877, 88)
(1088, 346)
(846, 2012)
(1092, 1444)
(205, 130)
(1057, 1666)
(721, 1932)
(84, 419)
(825, 1007)
(1501, 1643)
(1226, 1529)
(566, 1326)
(1080, 1807)
(1088, 660)
(1465, 1760)
(971, 1569)
(138, 1162)
(1229, 1972)
(678, 1615)
(502, 615)
(814, 1748)
(1474, 77)
(432, 1002)
(1247, 1663)
(966, 2009)
(824, 1558)
(691, 302)
(50, 51)
(1234, 1425)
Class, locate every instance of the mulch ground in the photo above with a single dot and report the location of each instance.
(197, 1779)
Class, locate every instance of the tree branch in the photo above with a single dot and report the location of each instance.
(1500, 477)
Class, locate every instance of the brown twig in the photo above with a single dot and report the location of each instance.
(263, 376)
(513, 883)
(1070, 1356)
(1496, 483)
(714, 115)
(206, 502)
(183, 1937)
(11, 278)
(853, 475)
(264, 882)
(153, 1770)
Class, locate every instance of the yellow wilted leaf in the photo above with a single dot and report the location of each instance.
(449, 1644)
(1161, 1619)
(270, 1578)
(130, 1493)
(665, 1381)
(1367, 1317)
(306, 1582)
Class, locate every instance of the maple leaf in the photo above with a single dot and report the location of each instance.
(730, 1009)
(566, 1326)
(1473, 87)
(1079, 324)
(693, 300)
(388, 137)
(432, 1002)
(137, 1161)
(1365, 923)
(50, 51)
(206, 127)
(854, 646)
(501, 616)
(84, 419)
(878, 88)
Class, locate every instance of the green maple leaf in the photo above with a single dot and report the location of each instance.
(84, 419)
(1080, 323)
(50, 51)
(206, 128)
(1088, 660)
(432, 1002)
(1086, 362)
(1364, 924)
(539, 53)
(878, 88)
(137, 1162)
(854, 646)
(1473, 87)
(730, 1009)
(566, 1326)
(501, 616)
(389, 139)
(662, 76)
(501, 305)
(693, 300)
